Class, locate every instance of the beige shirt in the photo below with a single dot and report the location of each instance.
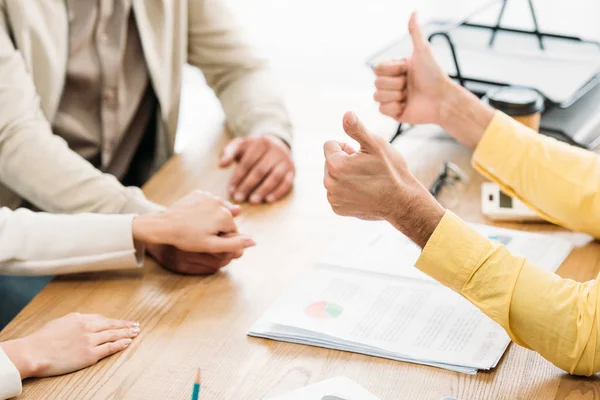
(107, 102)
(37, 165)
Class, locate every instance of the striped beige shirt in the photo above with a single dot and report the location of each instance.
(107, 102)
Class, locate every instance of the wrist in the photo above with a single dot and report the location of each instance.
(463, 115)
(277, 139)
(418, 216)
(19, 353)
(450, 101)
(150, 229)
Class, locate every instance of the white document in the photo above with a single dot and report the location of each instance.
(393, 318)
(379, 248)
(366, 296)
(341, 387)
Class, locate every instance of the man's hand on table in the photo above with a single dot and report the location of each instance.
(418, 91)
(189, 263)
(265, 169)
(374, 183)
(195, 236)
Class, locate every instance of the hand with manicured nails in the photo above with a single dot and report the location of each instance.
(197, 235)
(68, 344)
(264, 172)
(412, 90)
(374, 183)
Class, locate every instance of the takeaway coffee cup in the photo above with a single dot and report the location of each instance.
(523, 104)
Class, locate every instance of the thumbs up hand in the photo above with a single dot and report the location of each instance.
(412, 90)
(374, 183)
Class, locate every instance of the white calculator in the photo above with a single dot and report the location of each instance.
(499, 207)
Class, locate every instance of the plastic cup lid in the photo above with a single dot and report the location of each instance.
(515, 101)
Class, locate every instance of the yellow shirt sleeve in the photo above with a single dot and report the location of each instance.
(539, 310)
(559, 181)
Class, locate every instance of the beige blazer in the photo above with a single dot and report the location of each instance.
(49, 244)
(38, 166)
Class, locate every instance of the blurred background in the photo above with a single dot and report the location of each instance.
(319, 48)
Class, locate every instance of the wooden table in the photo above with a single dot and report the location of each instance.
(190, 322)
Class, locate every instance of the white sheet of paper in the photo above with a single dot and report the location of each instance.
(377, 247)
(366, 296)
(342, 387)
(409, 319)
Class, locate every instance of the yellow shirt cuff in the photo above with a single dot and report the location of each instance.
(453, 252)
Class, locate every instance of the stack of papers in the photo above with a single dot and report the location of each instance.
(366, 296)
(340, 388)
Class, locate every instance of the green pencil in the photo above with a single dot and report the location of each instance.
(196, 391)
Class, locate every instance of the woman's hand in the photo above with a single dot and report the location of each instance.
(68, 344)
(198, 223)
(195, 236)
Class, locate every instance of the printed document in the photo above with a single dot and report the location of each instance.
(366, 296)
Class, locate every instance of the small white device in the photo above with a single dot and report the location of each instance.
(498, 206)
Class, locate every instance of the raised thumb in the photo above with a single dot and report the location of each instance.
(356, 130)
(416, 33)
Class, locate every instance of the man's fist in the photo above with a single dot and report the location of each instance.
(264, 172)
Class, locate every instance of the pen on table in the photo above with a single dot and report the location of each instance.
(196, 391)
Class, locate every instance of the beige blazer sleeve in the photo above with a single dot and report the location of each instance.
(242, 81)
(38, 165)
(47, 244)
(10, 380)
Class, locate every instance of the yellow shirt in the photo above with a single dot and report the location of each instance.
(539, 310)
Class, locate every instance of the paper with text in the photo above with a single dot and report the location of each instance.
(407, 319)
(377, 247)
(366, 296)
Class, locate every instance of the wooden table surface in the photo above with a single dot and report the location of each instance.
(190, 322)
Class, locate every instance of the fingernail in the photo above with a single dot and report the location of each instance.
(134, 324)
(255, 198)
(249, 243)
(134, 331)
(271, 198)
(127, 342)
(351, 118)
(231, 189)
(239, 197)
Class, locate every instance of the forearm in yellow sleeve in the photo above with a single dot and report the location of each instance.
(559, 181)
(539, 310)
